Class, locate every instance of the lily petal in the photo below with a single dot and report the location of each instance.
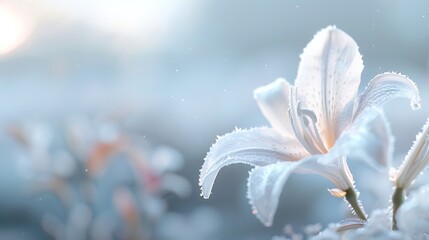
(416, 160)
(258, 146)
(332, 167)
(265, 185)
(385, 87)
(329, 77)
(273, 100)
(369, 138)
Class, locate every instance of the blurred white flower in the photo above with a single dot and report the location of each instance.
(93, 163)
(413, 215)
(415, 161)
(315, 124)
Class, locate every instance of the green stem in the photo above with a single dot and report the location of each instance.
(351, 197)
(398, 198)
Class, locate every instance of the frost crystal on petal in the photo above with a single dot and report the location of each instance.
(258, 147)
(265, 185)
(415, 161)
(385, 87)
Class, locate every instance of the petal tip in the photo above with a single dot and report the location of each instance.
(329, 28)
(205, 192)
(205, 187)
(416, 105)
(387, 86)
(265, 220)
(261, 91)
(324, 32)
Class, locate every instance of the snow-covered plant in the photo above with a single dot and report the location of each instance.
(317, 125)
(378, 227)
(411, 219)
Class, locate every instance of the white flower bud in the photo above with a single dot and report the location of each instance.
(415, 161)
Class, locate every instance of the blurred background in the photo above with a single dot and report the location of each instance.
(109, 107)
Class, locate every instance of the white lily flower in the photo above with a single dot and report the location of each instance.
(415, 161)
(316, 124)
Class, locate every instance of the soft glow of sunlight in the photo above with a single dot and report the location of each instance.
(145, 22)
(13, 30)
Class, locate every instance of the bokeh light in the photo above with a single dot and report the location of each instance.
(14, 30)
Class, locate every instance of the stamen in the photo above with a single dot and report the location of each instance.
(293, 115)
(297, 129)
(307, 135)
(315, 134)
(309, 114)
(297, 122)
(303, 122)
